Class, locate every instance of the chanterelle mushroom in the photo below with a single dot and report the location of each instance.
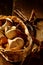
(8, 22)
(3, 39)
(10, 32)
(16, 43)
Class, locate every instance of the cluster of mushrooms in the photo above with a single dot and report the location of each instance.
(15, 40)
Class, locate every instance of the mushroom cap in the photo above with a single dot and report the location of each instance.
(16, 43)
(8, 22)
(10, 32)
(3, 39)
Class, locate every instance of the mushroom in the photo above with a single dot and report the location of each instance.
(3, 39)
(1, 29)
(16, 43)
(8, 22)
(10, 32)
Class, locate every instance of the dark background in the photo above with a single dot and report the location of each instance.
(6, 7)
(26, 6)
